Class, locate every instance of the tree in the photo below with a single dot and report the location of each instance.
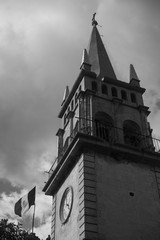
(11, 231)
(48, 238)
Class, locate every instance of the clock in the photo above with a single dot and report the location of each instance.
(66, 204)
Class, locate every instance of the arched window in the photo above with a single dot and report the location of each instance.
(64, 119)
(114, 92)
(133, 98)
(123, 95)
(104, 89)
(104, 126)
(94, 86)
(76, 98)
(72, 105)
(132, 133)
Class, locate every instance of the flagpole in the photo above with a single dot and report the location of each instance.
(33, 217)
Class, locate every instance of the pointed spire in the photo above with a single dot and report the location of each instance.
(98, 57)
(133, 74)
(65, 95)
(85, 61)
(134, 80)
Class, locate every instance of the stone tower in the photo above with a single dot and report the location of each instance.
(105, 181)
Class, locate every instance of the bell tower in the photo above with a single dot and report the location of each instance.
(105, 181)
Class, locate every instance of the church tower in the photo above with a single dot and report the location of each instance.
(105, 181)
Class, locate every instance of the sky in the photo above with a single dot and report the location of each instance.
(41, 44)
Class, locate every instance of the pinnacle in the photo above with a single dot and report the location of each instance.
(65, 95)
(85, 61)
(133, 74)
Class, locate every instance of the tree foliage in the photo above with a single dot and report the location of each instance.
(11, 231)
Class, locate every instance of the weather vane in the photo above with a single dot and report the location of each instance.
(94, 22)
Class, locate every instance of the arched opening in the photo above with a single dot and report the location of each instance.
(114, 92)
(123, 95)
(64, 122)
(104, 89)
(94, 86)
(76, 98)
(133, 98)
(132, 133)
(72, 105)
(104, 126)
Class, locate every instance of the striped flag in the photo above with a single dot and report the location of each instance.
(24, 203)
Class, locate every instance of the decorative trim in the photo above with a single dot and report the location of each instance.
(60, 132)
(123, 84)
(156, 171)
(88, 226)
(53, 222)
(142, 108)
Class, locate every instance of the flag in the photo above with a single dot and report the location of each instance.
(24, 203)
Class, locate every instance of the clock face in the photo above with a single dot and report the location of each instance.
(66, 204)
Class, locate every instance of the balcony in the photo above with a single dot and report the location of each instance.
(103, 133)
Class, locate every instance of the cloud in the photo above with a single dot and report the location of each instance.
(34, 70)
(44, 230)
(40, 53)
(26, 120)
(32, 55)
(132, 35)
(42, 214)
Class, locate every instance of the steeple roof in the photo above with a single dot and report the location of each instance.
(133, 74)
(85, 61)
(98, 57)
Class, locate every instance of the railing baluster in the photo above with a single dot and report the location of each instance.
(109, 134)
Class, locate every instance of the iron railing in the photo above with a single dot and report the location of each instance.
(107, 133)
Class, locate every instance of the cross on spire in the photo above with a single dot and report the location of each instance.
(94, 22)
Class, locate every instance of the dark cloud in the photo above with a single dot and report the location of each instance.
(34, 71)
(7, 188)
(40, 53)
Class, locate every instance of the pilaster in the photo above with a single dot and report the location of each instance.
(88, 226)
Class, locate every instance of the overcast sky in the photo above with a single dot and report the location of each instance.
(41, 44)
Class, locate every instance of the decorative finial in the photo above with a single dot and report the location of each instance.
(94, 22)
(66, 93)
(133, 74)
(134, 80)
(85, 61)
